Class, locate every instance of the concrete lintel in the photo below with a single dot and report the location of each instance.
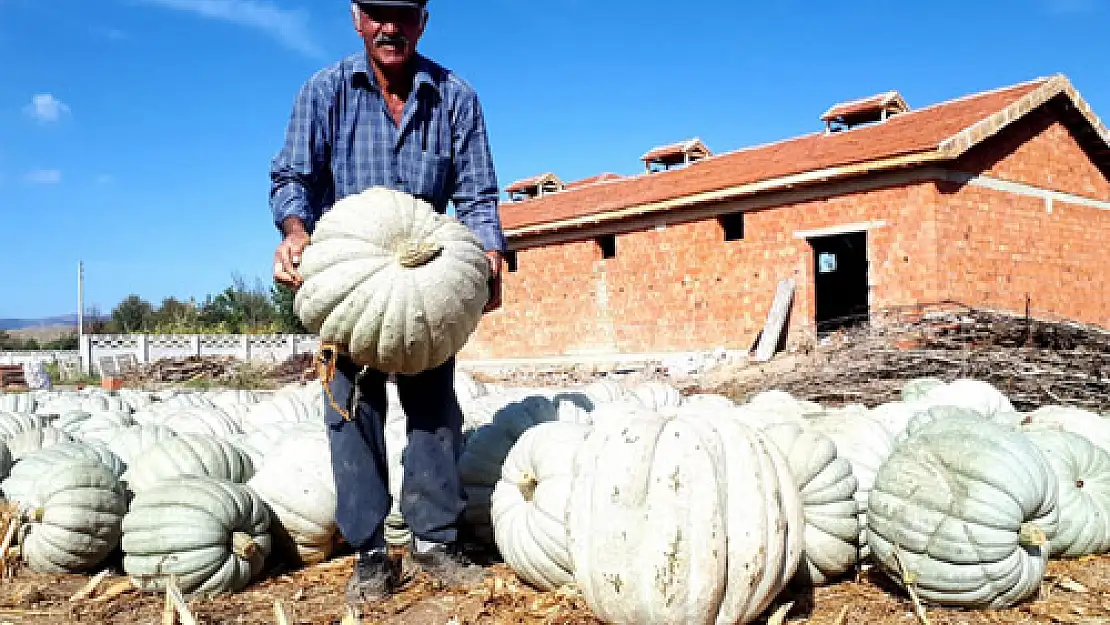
(859, 226)
(1020, 188)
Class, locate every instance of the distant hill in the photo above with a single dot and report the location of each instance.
(42, 322)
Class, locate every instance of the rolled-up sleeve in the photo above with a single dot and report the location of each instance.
(475, 194)
(299, 171)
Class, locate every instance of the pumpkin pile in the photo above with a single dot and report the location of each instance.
(657, 507)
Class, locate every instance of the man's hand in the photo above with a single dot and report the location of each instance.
(495, 263)
(287, 258)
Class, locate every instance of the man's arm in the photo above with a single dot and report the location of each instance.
(475, 193)
(299, 173)
(298, 180)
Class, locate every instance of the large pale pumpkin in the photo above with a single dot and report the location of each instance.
(1085, 423)
(23, 480)
(1082, 472)
(132, 442)
(683, 518)
(35, 439)
(962, 510)
(75, 520)
(828, 489)
(529, 503)
(214, 535)
(15, 423)
(863, 442)
(485, 452)
(399, 286)
(188, 454)
(298, 487)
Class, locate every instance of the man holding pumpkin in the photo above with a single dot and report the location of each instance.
(388, 116)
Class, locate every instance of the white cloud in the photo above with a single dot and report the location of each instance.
(287, 26)
(45, 108)
(43, 176)
(105, 179)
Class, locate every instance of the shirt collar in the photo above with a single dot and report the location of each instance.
(361, 71)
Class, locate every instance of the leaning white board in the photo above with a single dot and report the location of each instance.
(776, 320)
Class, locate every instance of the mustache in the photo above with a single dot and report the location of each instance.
(398, 40)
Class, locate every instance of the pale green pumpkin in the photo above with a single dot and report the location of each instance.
(828, 489)
(529, 503)
(74, 520)
(1082, 472)
(962, 509)
(684, 518)
(397, 285)
(212, 534)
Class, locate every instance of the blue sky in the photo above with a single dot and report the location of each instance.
(136, 135)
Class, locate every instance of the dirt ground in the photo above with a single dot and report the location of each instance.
(1074, 592)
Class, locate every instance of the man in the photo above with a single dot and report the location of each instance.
(388, 116)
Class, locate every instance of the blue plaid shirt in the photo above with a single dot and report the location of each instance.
(341, 140)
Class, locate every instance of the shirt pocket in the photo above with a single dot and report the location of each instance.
(431, 180)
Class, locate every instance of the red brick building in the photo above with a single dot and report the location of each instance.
(997, 200)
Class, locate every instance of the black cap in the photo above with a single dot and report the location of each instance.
(412, 4)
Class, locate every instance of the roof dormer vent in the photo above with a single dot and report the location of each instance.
(870, 110)
(536, 186)
(675, 155)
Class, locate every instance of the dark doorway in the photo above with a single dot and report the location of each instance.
(840, 280)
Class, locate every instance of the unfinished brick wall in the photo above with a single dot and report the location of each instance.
(998, 248)
(683, 287)
(1040, 151)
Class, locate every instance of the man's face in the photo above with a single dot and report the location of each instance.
(390, 33)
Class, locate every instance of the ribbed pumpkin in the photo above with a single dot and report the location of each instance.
(298, 487)
(1085, 423)
(399, 286)
(212, 534)
(188, 454)
(862, 441)
(208, 421)
(691, 518)
(529, 503)
(1083, 474)
(35, 439)
(75, 521)
(5, 460)
(485, 452)
(828, 489)
(23, 480)
(962, 509)
(130, 443)
(14, 423)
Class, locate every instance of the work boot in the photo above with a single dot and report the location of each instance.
(447, 564)
(375, 577)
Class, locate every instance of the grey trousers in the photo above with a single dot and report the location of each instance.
(432, 498)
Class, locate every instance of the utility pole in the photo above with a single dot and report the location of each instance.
(80, 301)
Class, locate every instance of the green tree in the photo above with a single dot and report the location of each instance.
(239, 309)
(282, 297)
(176, 317)
(133, 314)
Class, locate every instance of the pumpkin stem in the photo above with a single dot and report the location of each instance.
(528, 486)
(243, 546)
(411, 254)
(1030, 535)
